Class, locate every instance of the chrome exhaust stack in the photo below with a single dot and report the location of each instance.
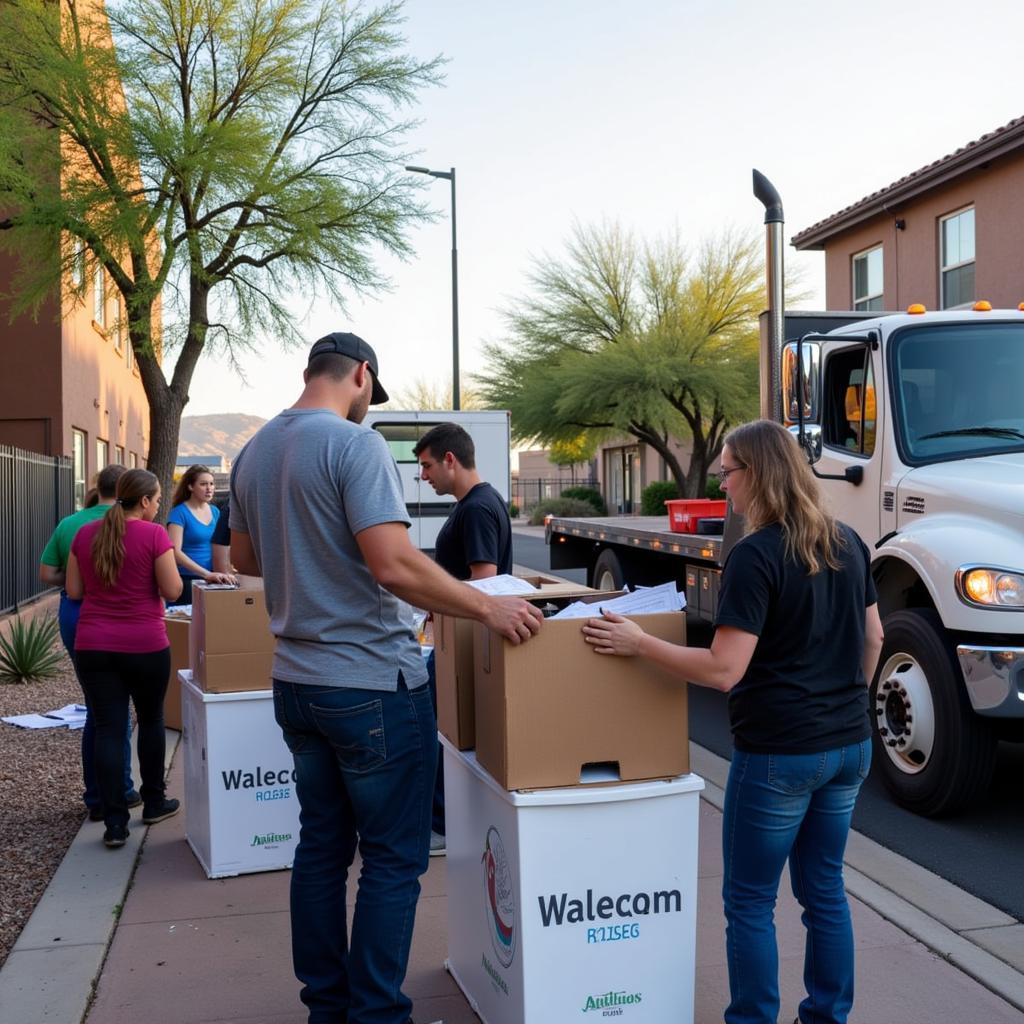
(773, 337)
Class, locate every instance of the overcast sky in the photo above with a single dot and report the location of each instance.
(650, 114)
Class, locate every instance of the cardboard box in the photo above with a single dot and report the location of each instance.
(231, 646)
(454, 666)
(549, 708)
(177, 635)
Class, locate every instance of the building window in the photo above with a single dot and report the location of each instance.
(133, 460)
(99, 298)
(78, 265)
(118, 323)
(78, 466)
(867, 280)
(102, 454)
(957, 237)
(118, 455)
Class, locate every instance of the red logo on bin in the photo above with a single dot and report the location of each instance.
(500, 898)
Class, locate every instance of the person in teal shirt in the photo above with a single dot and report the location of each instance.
(52, 566)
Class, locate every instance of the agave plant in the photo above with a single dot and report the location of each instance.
(27, 652)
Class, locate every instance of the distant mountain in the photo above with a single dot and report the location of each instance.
(221, 433)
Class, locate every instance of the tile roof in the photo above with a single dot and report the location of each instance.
(990, 145)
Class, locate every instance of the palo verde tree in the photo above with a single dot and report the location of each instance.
(217, 158)
(618, 338)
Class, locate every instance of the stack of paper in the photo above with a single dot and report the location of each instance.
(503, 585)
(643, 601)
(71, 715)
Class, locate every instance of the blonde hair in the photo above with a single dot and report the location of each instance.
(108, 545)
(184, 489)
(781, 489)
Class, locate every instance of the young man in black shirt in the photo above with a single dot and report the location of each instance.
(475, 541)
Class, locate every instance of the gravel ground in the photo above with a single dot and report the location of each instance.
(41, 805)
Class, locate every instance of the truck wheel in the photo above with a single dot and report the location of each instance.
(935, 754)
(608, 571)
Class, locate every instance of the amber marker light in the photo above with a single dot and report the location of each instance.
(1020, 306)
(982, 306)
(916, 309)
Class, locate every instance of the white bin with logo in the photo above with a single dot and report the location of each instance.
(575, 904)
(241, 811)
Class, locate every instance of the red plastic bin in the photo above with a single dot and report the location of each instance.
(683, 513)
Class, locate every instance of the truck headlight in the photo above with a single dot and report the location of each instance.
(990, 588)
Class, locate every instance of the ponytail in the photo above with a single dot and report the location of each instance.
(108, 545)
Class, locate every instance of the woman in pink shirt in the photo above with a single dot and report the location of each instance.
(122, 568)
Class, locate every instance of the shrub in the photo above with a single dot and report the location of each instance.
(654, 496)
(513, 510)
(713, 489)
(587, 494)
(27, 653)
(571, 507)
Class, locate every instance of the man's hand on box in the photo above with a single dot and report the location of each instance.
(613, 634)
(515, 619)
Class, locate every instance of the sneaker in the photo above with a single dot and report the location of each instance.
(132, 798)
(165, 809)
(438, 846)
(115, 835)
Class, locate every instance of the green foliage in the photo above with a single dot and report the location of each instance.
(713, 489)
(27, 653)
(644, 340)
(654, 496)
(513, 510)
(588, 494)
(573, 451)
(570, 507)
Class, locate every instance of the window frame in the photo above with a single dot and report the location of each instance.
(862, 304)
(102, 460)
(99, 298)
(79, 471)
(945, 268)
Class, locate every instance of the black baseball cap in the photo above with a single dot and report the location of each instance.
(354, 347)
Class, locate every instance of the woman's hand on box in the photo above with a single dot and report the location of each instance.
(223, 578)
(613, 634)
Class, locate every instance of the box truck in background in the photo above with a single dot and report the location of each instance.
(491, 435)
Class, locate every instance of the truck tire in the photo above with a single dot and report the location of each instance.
(935, 754)
(608, 573)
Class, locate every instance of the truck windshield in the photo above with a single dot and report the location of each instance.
(959, 390)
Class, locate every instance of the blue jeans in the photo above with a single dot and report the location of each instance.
(365, 762)
(67, 619)
(797, 806)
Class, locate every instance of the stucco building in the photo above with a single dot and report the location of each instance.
(944, 235)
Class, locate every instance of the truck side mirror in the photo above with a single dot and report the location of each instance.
(809, 440)
(800, 378)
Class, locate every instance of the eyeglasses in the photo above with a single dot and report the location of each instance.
(723, 473)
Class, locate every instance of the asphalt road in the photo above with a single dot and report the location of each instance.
(981, 851)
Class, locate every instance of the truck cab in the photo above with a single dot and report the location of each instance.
(914, 425)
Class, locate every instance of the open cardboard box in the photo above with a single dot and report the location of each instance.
(547, 710)
(230, 643)
(454, 667)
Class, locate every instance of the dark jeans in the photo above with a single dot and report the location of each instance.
(110, 679)
(365, 762)
(67, 619)
(437, 807)
(795, 806)
(185, 597)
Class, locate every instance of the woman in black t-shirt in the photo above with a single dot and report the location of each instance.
(796, 641)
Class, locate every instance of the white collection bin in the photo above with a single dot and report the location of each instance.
(571, 904)
(241, 811)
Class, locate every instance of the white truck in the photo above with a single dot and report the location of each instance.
(914, 424)
(402, 429)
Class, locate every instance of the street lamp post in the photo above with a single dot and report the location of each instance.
(450, 176)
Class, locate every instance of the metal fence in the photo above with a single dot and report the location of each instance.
(529, 493)
(36, 491)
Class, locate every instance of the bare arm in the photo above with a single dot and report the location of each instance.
(222, 558)
(409, 574)
(873, 637)
(482, 570)
(243, 554)
(177, 535)
(51, 575)
(73, 586)
(720, 667)
(168, 579)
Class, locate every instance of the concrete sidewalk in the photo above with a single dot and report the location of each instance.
(188, 950)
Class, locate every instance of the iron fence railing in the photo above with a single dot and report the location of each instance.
(36, 491)
(528, 493)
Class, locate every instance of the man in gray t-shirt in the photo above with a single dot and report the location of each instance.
(317, 511)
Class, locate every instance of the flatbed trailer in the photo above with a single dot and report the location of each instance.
(640, 551)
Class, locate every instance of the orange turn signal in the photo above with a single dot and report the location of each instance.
(916, 308)
(982, 306)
